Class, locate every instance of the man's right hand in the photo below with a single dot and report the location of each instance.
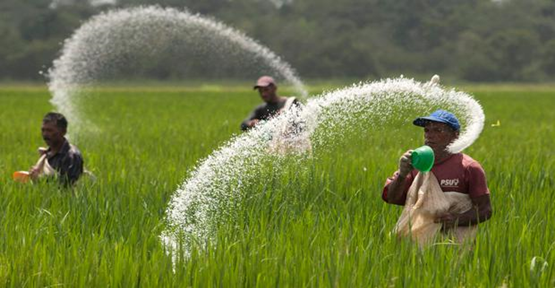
(34, 173)
(405, 166)
(252, 123)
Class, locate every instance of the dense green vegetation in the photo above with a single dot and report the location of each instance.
(322, 224)
(476, 40)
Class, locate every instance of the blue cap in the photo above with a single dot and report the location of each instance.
(440, 116)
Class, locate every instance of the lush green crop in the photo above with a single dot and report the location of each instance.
(320, 224)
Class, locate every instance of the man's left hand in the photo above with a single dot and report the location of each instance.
(447, 219)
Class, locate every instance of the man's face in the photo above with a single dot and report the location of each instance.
(52, 134)
(267, 93)
(439, 136)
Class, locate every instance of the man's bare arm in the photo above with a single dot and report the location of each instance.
(397, 186)
(481, 211)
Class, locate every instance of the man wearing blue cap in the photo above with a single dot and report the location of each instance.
(454, 172)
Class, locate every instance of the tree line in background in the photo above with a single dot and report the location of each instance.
(471, 40)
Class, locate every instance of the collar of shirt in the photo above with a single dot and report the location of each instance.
(63, 150)
(444, 160)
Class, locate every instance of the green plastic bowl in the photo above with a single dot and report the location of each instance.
(422, 158)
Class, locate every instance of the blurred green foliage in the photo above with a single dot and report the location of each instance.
(475, 40)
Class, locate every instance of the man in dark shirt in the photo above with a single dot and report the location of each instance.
(273, 105)
(61, 159)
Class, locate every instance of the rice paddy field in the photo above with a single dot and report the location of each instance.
(319, 222)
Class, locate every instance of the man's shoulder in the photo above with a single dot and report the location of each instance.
(291, 101)
(460, 160)
(260, 107)
(74, 151)
(469, 162)
(290, 98)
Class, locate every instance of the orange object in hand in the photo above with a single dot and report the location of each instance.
(21, 176)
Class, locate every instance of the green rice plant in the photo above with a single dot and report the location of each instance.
(316, 222)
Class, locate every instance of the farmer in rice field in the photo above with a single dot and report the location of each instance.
(273, 105)
(61, 159)
(454, 172)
